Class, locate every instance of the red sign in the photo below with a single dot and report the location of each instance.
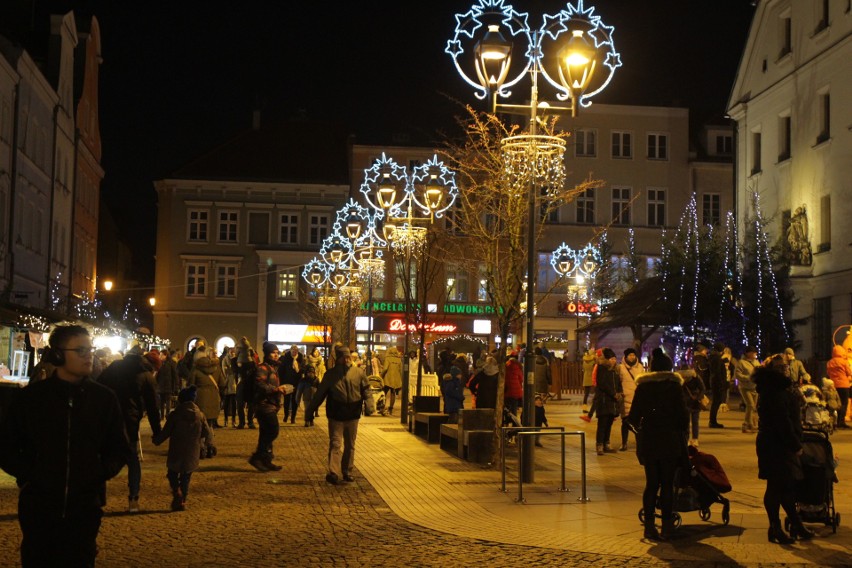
(399, 325)
(578, 308)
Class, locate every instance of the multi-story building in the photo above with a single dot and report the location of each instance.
(235, 227)
(793, 145)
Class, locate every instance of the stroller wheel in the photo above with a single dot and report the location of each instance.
(678, 520)
(642, 516)
(836, 522)
(787, 524)
(726, 514)
(704, 514)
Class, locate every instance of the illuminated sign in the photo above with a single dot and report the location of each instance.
(399, 325)
(399, 308)
(572, 308)
(298, 333)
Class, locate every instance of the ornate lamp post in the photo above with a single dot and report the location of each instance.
(580, 265)
(574, 52)
(407, 202)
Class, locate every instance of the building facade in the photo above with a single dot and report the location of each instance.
(793, 153)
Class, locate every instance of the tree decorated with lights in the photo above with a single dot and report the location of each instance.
(56, 292)
(767, 297)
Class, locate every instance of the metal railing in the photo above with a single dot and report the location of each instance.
(542, 431)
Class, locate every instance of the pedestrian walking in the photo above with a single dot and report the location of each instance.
(718, 374)
(132, 380)
(246, 364)
(392, 375)
(840, 373)
(693, 390)
(229, 390)
(659, 415)
(207, 377)
(268, 394)
(513, 393)
(62, 439)
(291, 367)
(305, 391)
(168, 382)
(186, 426)
(344, 388)
(542, 373)
(589, 362)
(318, 361)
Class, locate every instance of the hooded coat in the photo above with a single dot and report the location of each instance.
(453, 391)
(589, 368)
(207, 378)
(659, 413)
(186, 425)
(483, 386)
(392, 372)
(837, 368)
(543, 374)
(779, 431)
(514, 379)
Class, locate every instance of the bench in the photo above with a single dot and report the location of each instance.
(472, 438)
(423, 404)
(427, 425)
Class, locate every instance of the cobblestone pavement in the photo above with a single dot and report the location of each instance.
(239, 517)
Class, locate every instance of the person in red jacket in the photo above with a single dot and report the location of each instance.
(840, 374)
(514, 391)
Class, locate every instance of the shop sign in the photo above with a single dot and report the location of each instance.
(297, 333)
(573, 308)
(390, 307)
(469, 309)
(399, 308)
(399, 325)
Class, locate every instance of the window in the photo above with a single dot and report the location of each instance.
(228, 226)
(258, 230)
(456, 283)
(288, 285)
(621, 205)
(289, 234)
(226, 281)
(821, 328)
(197, 225)
(658, 146)
(785, 35)
(622, 144)
(482, 285)
(785, 130)
(453, 218)
(546, 277)
(584, 143)
(656, 207)
(724, 144)
(824, 224)
(318, 229)
(586, 206)
(755, 156)
(824, 117)
(399, 280)
(196, 279)
(711, 210)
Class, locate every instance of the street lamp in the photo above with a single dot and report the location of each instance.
(408, 202)
(580, 264)
(572, 68)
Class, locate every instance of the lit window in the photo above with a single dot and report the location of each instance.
(288, 282)
(456, 283)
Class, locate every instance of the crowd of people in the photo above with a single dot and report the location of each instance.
(183, 397)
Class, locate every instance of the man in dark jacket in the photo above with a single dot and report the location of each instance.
(607, 400)
(132, 380)
(291, 369)
(718, 372)
(168, 383)
(62, 439)
(346, 387)
(267, 392)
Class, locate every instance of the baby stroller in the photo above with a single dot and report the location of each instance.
(816, 415)
(377, 389)
(698, 487)
(815, 492)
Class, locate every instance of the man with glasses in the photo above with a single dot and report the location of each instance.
(62, 439)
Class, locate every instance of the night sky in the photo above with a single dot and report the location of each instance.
(179, 77)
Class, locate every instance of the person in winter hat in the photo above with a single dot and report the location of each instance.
(660, 416)
(452, 390)
(185, 427)
(607, 399)
(628, 371)
(268, 394)
(305, 391)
